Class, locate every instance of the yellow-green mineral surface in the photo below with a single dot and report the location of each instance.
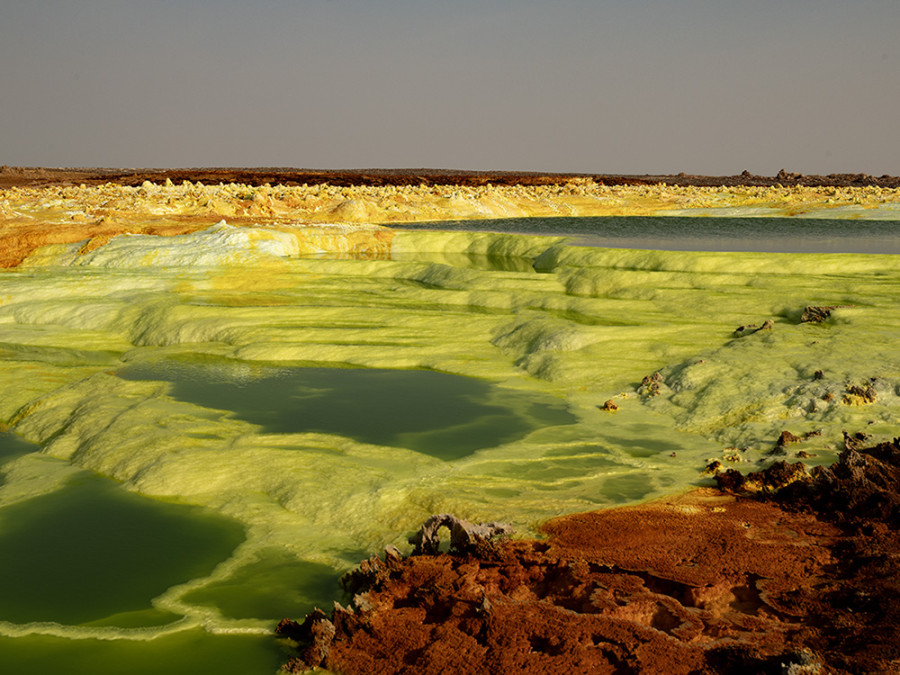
(216, 399)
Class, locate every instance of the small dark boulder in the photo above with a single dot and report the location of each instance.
(786, 438)
(650, 384)
(750, 329)
(859, 395)
(818, 313)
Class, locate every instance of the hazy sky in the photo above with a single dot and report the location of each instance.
(612, 86)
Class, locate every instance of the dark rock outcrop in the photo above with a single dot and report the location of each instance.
(650, 385)
(859, 394)
(819, 313)
(314, 637)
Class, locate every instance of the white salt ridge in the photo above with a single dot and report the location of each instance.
(221, 244)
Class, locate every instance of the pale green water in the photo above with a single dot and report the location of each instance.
(290, 417)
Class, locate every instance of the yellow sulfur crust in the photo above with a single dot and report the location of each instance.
(31, 218)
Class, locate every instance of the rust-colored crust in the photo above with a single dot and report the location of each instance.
(702, 583)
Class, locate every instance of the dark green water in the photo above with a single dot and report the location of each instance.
(276, 585)
(93, 552)
(442, 415)
(692, 233)
(184, 653)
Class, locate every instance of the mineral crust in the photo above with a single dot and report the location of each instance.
(780, 571)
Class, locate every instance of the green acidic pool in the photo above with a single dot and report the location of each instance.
(274, 584)
(442, 415)
(183, 653)
(92, 550)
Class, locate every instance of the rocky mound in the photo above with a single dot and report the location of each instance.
(776, 572)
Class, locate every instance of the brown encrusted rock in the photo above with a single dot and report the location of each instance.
(775, 477)
(288, 628)
(863, 486)
(860, 395)
(314, 636)
(464, 535)
(371, 573)
(295, 665)
(392, 555)
(801, 579)
(787, 437)
(815, 314)
(855, 441)
(818, 313)
(609, 406)
(713, 468)
(783, 175)
(650, 384)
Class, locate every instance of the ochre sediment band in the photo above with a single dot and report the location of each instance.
(34, 217)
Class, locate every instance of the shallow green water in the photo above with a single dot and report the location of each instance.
(442, 415)
(322, 409)
(90, 551)
(276, 584)
(183, 653)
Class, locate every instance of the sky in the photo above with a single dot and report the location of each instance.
(595, 86)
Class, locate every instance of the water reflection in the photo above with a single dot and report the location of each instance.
(687, 233)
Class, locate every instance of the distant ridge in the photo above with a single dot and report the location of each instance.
(11, 176)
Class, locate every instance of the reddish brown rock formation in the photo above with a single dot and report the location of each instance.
(800, 578)
(860, 395)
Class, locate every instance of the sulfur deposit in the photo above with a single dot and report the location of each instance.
(91, 216)
(280, 369)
